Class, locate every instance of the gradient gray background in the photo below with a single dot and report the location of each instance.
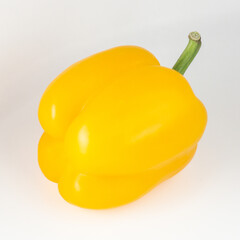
(39, 39)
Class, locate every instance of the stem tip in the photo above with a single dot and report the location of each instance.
(195, 36)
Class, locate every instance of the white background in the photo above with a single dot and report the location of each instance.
(39, 39)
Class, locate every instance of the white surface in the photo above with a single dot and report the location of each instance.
(39, 39)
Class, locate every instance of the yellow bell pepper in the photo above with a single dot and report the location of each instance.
(117, 124)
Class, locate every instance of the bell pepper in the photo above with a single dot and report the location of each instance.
(117, 124)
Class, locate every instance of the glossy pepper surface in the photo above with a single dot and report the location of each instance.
(117, 124)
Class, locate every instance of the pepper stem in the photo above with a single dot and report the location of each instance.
(189, 53)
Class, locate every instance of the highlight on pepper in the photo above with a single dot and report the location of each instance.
(117, 123)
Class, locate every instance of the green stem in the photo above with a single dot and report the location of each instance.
(189, 53)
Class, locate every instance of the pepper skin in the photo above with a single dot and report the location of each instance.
(116, 125)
